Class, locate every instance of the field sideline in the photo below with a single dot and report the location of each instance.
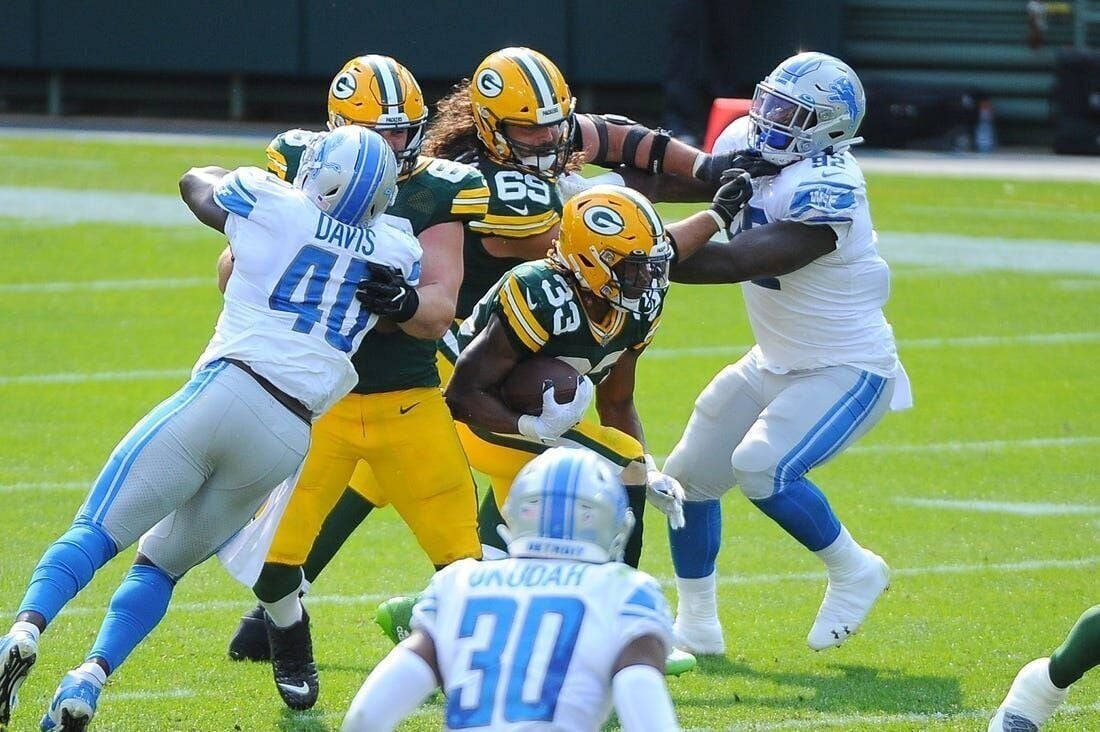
(983, 498)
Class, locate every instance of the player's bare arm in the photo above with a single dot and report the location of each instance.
(615, 397)
(483, 364)
(439, 281)
(197, 190)
(225, 267)
(766, 251)
(608, 139)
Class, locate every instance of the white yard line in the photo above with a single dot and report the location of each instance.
(240, 604)
(877, 720)
(1025, 339)
(936, 569)
(171, 283)
(1014, 509)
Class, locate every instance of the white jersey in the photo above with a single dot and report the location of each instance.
(829, 312)
(290, 310)
(526, 644)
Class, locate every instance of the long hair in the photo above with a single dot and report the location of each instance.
(451, 132)
(452, 135)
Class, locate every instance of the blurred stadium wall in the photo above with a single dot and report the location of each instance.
(268, 60)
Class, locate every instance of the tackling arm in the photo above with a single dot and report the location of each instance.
(528, 248)
(197, 190)
(396, 687)
(638, 687)
(772, 250)
(608, 140)
(615, 397)
(439, 281)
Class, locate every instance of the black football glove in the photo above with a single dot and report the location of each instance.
(750, 161)
(385, 292)
(734, 193)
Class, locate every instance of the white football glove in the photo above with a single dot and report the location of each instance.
(557, 418)
(664, 492)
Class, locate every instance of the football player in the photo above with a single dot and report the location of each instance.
(1042, 685)
(395, 413)
(515, 119)
(603, 628)
(825, 368)
(193, 471)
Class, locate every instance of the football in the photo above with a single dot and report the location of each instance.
(522, 387)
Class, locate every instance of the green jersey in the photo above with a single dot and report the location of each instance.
(520, 205)
(542, 313)
(436, 192)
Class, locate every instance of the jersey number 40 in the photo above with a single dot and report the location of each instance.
(314, 266)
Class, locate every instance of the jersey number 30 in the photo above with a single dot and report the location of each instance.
(472, 705)
(314, 265)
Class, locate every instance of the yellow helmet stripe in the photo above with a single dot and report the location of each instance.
(539, 78)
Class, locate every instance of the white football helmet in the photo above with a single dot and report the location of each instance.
(567, 503)
(811, 102)
(349, 173)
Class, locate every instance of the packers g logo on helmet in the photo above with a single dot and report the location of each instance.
(489, 83)
(377, 92)
(615, 244)
(519, 87)
(603, 220)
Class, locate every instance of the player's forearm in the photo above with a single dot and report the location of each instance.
(435, 314)
(622, 416)
(691, 235)
(478, 407)
(527, 249)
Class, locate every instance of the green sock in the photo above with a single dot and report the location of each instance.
(1079, 652)
(277, 581)
(635, 496)
(488, 518)
(338, 526)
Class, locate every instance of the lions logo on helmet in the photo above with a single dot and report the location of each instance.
(522, 88)
(349, 173)
(810, 103)
(377, 92)
(615, 244)
(568, 503)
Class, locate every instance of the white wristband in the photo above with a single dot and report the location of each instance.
(718, 220)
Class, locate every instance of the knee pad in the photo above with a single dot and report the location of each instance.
(753, 463)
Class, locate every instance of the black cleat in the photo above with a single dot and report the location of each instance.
(18, 652)
(292, 663)
(250, 642)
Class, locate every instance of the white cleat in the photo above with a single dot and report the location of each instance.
(1030, 701)
(847, 603)
(18, 652)
(700, 638)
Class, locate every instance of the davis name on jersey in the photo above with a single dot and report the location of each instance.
(526, 641)
(295, 262)
(830, 311)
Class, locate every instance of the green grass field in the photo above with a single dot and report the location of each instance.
(985, 498)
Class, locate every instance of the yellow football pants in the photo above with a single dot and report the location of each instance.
(403, 451)
(501, 457)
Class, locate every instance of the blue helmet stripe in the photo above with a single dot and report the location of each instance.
(558, 488)
(376, 144)
(340, 210)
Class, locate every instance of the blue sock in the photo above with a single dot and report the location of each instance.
(66, 568)
(695, 547)
(138, 605)
(803, 511)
